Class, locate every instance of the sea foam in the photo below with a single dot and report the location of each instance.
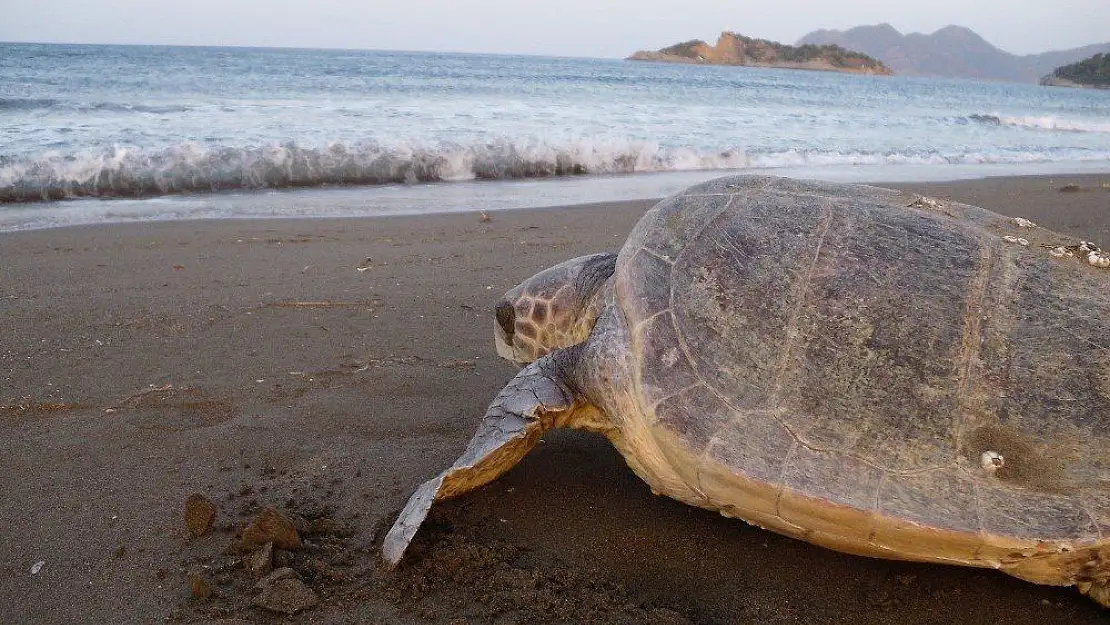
(1044, 122)
(122, 171)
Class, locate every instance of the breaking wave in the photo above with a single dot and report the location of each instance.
(33, 104)
(1041, 123)
(24, 104)
(191, 167)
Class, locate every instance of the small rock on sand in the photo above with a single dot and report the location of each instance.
(271, 526)
(288, 596)
(200, 586)
(199, 514)
(261, 562)
(278, 574)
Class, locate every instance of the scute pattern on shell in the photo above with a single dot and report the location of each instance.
(835, 342)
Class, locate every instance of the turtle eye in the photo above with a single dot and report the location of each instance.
(506, 317)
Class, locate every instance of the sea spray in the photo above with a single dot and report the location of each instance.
(1044, 122)
(191, 167)
(124, 172)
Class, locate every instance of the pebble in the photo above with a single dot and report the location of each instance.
(200, 513)
(276, 576)
(261, 562)
(271, 526)
(200, 586)
(287, 596)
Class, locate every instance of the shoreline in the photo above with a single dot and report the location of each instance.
(327, 366)
(655, 56)
(556, 193)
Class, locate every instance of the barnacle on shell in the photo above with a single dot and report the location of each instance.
(926, 202)
(1093, 253)
(991, 461)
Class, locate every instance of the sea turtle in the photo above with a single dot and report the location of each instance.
(882, 375)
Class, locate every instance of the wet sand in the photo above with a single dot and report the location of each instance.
(252, 362)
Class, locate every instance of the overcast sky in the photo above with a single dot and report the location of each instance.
(598, 28)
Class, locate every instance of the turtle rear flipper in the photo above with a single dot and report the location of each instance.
(1099, 591)
(513, 424)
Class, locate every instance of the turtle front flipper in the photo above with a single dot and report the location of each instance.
(514, 422)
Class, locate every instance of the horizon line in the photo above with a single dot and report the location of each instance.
(524, 54)
(310, 48)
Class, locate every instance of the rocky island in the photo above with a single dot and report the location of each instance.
(1092, 72)
(734, 49)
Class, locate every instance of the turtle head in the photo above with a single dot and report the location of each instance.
(553, 309)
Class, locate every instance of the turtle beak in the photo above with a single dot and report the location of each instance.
(506, 318)
(505, 313)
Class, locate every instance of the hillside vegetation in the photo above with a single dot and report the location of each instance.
(1092, 72)
(735, 49)
(952, 51)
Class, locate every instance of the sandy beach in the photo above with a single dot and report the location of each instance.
(328, 367)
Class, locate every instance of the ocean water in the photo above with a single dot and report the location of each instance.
(113, 133)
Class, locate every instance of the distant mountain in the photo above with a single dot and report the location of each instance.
(1092, 72)
(734, 49)
(953, 51)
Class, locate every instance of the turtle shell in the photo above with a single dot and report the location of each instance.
(842, 360)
